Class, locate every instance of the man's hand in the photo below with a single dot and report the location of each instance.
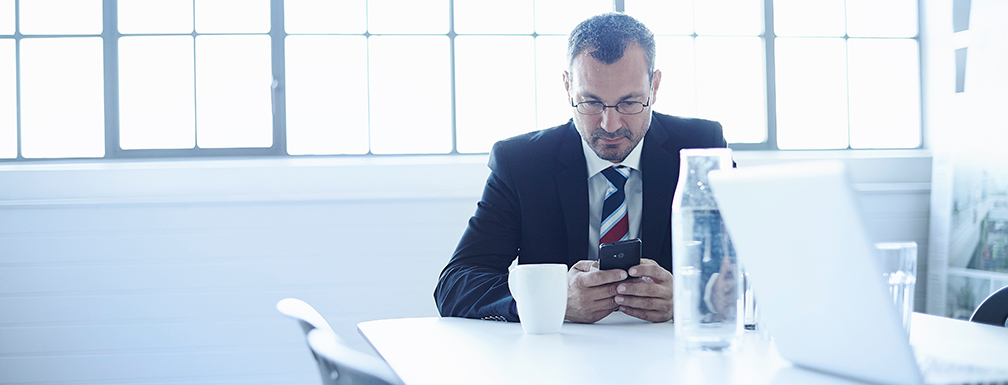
(725, 289)
(591, 294)
(648, 298)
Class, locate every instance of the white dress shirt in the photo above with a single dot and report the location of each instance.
(597, 187)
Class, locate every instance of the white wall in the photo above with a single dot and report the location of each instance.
(167, 272)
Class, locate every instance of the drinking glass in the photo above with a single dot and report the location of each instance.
(899, 269)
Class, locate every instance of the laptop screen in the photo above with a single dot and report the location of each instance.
(798, 233)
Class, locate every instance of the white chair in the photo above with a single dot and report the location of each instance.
(346, 366)
(304, 313)
(338, 364)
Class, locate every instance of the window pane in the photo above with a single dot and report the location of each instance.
(327, 95)
(884, 93)
(8, 101)
(410, 103)
(233, 78)
(61, 17)
(157, 106)
(676, 60)
(811, 93)
(62, 98)
(164, 16)
(495, 99)
(552, 106)
(480, 16)
(729, 17)
(809, 18)
(663, 17)
(232, 16)
(6, 17)
(559, 17)
(890, 18)
(325, 16)
(730, 86)
(408, 16)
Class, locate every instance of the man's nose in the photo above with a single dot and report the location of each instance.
(610, 120)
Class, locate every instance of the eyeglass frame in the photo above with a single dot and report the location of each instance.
(615, 106)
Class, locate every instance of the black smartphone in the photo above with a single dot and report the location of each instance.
(620, 255)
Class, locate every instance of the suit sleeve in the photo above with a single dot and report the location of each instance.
(474, 283)
(718, 139)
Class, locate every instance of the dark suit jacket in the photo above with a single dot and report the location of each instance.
(535, 207)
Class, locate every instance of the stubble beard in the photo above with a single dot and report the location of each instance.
(612, 153)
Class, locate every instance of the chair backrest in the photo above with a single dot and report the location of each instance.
(339, 365)
(342, 365)
(993, 310)
(304, 313)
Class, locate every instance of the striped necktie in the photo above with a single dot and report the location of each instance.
(615, 224)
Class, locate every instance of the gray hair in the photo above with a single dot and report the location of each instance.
(610, 34)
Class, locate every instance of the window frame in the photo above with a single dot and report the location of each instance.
(110, 40)
(110, 37)
(770, 77)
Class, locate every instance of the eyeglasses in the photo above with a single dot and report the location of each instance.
(594, 107)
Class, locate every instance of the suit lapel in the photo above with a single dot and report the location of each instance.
(660, 168)
(572, 182)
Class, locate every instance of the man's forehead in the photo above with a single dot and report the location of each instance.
(626, 74)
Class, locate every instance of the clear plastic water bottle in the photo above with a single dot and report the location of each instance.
(707, 283)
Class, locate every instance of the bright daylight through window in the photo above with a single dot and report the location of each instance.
(141, 78)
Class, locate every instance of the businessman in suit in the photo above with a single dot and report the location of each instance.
(543, 199)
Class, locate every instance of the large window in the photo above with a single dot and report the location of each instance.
(144, 78)
(850, 69)
(792, 74)
(194, 74)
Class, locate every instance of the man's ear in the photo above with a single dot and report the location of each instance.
(566, 80)
(655, 81)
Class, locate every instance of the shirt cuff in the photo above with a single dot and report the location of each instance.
(708, 288)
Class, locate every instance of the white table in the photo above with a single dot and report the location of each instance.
(620, 350)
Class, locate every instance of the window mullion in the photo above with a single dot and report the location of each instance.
(278, 94)
(771, 75)
(451, 77)
(17, 79)
(110, 43)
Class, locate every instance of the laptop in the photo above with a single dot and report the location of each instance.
(797, 231)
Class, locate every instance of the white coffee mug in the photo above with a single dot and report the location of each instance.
(541, 293)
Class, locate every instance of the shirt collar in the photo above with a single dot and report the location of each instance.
(596, 164)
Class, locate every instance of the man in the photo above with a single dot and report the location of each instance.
(544, 198)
